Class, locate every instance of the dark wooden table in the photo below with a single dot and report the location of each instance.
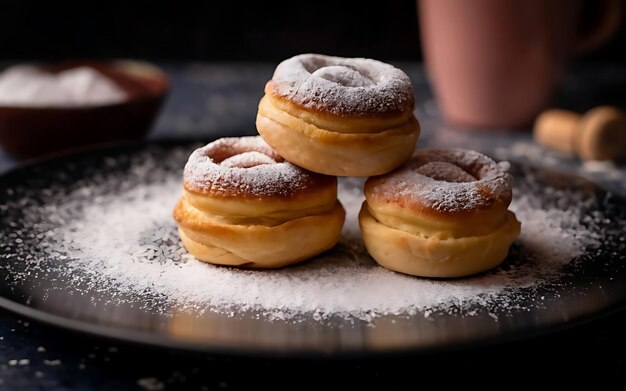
(210, 99)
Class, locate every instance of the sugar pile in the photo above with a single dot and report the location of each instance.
(25, 85)
(115, 233)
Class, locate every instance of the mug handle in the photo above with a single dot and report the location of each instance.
(608, 20)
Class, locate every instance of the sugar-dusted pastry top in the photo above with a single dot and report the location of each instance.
(247, 167)
(443, 181)
(349, 87)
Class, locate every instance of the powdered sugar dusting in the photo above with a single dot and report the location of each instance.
(125, 242)
(343, 75)
(343, 86)
(247, 160)
(443, 171)
(450, 180)
(243, 165)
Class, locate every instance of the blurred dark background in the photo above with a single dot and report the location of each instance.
(224, 30)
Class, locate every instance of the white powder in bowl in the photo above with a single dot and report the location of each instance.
(29, 86)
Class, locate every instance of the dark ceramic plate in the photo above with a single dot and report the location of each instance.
(37, 284)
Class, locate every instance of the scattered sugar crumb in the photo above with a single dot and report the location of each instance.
(22, 362)
(150, 384)
(598, 165)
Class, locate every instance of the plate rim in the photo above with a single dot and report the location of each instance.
(147, 339)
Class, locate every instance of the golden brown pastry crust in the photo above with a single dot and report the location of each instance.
(443, 214)
(213, 240)
(243, 205)
(337, 116)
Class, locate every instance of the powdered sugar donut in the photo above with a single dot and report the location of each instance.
(443, 214)
(339, 116)
(244, 205)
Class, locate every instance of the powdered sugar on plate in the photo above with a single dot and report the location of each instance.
(113, 232)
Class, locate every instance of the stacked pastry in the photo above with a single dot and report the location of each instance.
(339, 116)
(244, 205)
(272, 201)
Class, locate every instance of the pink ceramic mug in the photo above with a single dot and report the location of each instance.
(496, 63)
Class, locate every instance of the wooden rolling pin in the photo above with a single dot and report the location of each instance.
(599, 134)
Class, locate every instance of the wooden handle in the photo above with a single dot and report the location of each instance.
(600, 134)
(556, 129)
